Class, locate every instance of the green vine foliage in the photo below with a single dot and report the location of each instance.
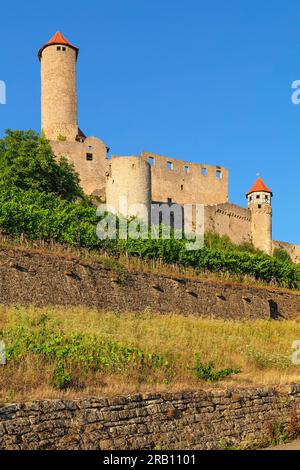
(43, 216)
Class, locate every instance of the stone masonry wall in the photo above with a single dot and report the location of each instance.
(293, 250)
(182, 420)
(41, 279)
(29, 277)
(91, 172)
(184, 183)
(229, 219)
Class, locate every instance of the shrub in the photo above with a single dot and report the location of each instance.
(208, 372)
(282, 255)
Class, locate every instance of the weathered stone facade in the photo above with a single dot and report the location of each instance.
(128, 187)
(29, 278)
(186, 183)
(90, 162)
(183, 420)
(229, 219)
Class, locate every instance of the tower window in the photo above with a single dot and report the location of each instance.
(151, 161)
(259, 206)
(89, 156)
(64, 49)
(169, 200)
(257, 196)
(218, 174)
(181, 187)
(170, 165)
(203, 171)
(266, 197)
(58, 48)
(90, 147)
(186, 169)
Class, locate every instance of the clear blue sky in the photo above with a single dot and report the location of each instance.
(197, 80)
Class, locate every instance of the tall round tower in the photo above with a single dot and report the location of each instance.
(58, 98)
(128, 187)
(259, 202)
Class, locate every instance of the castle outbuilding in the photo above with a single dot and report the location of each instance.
(148, 177)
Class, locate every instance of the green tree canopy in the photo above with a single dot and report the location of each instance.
(27, 162)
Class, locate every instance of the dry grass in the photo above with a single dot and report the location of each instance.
(261, 349)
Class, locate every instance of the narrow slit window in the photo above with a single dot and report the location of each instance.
(170, 165)
(218, 174)
(181, 187)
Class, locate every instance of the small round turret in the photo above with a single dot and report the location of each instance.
(259, 202)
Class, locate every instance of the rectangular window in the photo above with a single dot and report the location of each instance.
(203, 171)
(169, 200)
(89, 156)
(58, 48)
(186, 169)
(170, 165)
(181, 187)
(218, 174)
(151, 161)
(64, 49)
(257, 196)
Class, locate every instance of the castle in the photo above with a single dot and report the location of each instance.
(149, 177)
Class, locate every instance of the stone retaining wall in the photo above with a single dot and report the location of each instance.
(41, 279)
(185, 420)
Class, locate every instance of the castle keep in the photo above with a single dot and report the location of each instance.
(148, 177)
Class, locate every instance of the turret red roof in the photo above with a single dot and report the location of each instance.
(259, 185)
(58, 38)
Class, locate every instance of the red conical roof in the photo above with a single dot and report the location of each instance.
(259, 185)
(58, 38)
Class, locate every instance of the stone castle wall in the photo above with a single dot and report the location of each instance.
(29, 278)
(183, 420)
(184, 182)
(292, 249)
(91, 172)
(229, 219)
